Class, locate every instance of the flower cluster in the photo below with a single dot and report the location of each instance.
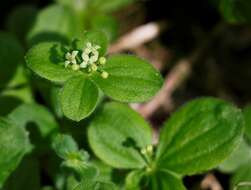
(89, 59)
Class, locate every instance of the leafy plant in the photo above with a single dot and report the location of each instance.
(191, 142)
(83, 71)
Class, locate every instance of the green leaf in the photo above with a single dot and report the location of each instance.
(109, 5)
(131, 79)
(63, 145)
(247, 116)
(11, 54)
(106, 186)
(236, 11)
(8, 104)
(107, 24)
(47, 61)
(54, 23)
(133, 180)
(233, 162)
(116, 135)
(165, 180)
(242, 175)
(95, 38)
(14, 144)
(37, 114)
(21, 20)
(77, 5)
(192, 140)
(79, 98)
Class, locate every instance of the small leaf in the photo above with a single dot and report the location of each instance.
(63, 145)
(95, 38)
(47, 61)
(200, 136)
(133, 180)
(117, 134)
(234, 162)
(14, 144)
(243, 175)
(166, 181)
(79, 98)
(38, 114)
(131, 79)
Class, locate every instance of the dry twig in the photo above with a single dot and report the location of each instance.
(211, 182)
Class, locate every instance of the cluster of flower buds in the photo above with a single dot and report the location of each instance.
(147, 150)
(88, 60)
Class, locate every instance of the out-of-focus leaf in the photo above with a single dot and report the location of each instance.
(236, 11)
(192, 140)
(116, 135)
(242, 175)
(26, 176)
(109, 5)
(54, 23)
(107, 24)
(11, 54)
(239, 157)
(131, 79)
(34, 113)
(8, 104)
(20, 21)
(14, 144)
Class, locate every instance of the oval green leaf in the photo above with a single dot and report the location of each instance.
(14, 144)
(116, 135)
(200, 136)
(47, 60)
(79, 98)
(131, 79)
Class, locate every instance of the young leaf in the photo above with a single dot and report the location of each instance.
(63, 145)
(38, 114)
(117, 134)
(47, 61)
(200, 136)
(79, 98)
(131, 79)
(14, 144)
(98, 38)
(11, 54)
(133, 180)
(166, 181)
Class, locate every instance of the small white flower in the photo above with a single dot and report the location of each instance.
(71, 58)
(90, 54)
